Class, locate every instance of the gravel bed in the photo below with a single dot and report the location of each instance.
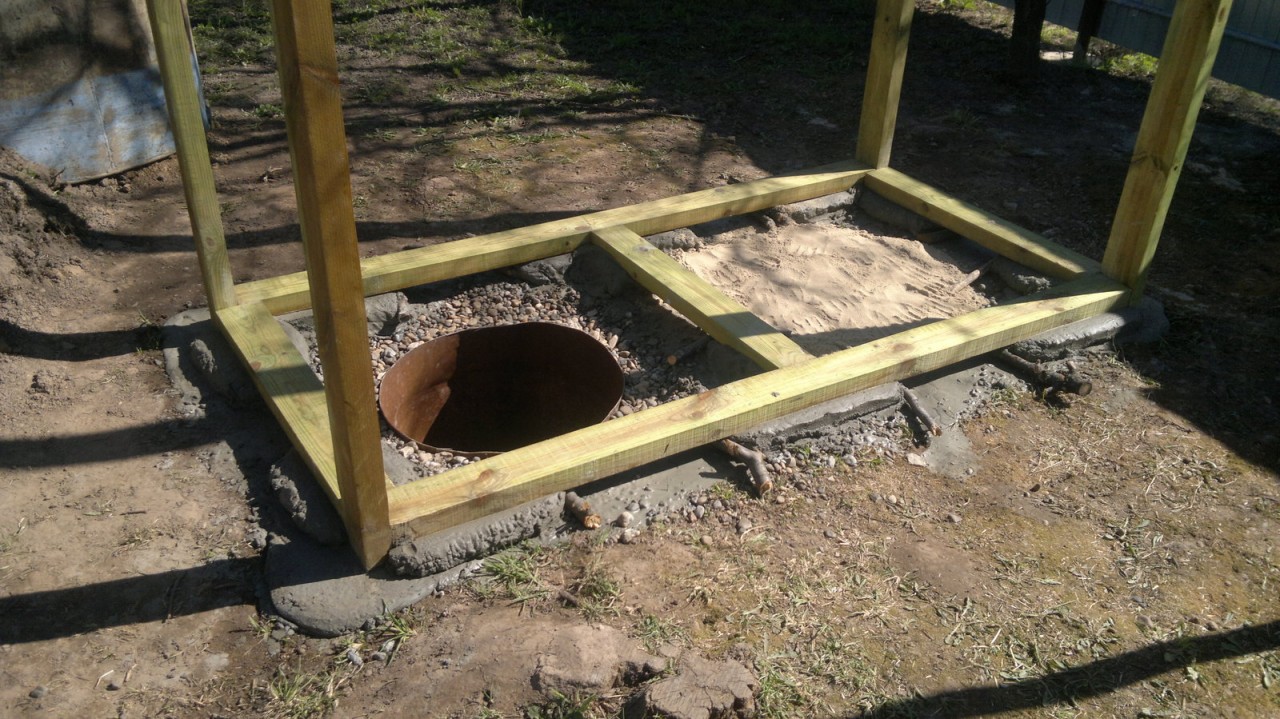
(641, 335)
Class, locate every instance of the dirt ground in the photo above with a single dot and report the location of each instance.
(1111, 557)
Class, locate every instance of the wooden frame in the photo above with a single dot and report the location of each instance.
(334, 424)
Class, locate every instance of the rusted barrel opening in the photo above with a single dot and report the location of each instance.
(494, 389)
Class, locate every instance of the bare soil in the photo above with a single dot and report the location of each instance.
(1112, 557)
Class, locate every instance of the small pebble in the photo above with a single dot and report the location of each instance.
(353, 656)
(377, 657)
(633, 507)
(699, 511)
(744, 525)
(38, 692)
(629, 535)
(829, 534)
(113, 686)
(717, 505)
(706, 540)
(644, 503)
(953, 517)
(892, 499)
(624, 520)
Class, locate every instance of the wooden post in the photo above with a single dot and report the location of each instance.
(308, 68)
(1189, 50)
(1024, 43)
(884, 81)
(173, 50)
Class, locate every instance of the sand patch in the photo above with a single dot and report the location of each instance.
(834, 286)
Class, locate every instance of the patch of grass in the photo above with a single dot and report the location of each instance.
(1125, 63)
(566, 706)
(9, 539)
(379, 92)
(597, 592)
(655, 632)
(515, 571)
(298, 694)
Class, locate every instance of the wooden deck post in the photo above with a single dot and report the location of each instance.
(173, 50)
(884, 81)
(308, 69)
(1189, 50)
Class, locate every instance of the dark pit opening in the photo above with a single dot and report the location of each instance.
(493, 389)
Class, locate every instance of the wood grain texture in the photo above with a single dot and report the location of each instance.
(169, 28)
(459, 258)
(884, 81)
(706, 306)
(998, 235)
(571, 460)
(308, 70)
(1195, 32)
(292, 391)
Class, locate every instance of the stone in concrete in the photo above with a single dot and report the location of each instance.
(1143, 322)
(306, 503)
(547, 271)
(879, 208)
(478, 538)
(821, 207)
(807, 421)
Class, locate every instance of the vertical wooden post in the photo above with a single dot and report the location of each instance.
(173, 50)
(1189, 50)
(884, 81)
(308, 68)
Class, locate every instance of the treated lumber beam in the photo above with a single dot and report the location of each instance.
(173, 50)
(998, 235)
(884, 81)
(285, 380)
(459, 258)
(494, 484)
(308, 68)
(1195, 32)
(706, 306)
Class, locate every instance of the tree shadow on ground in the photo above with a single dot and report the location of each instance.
(1071, 685)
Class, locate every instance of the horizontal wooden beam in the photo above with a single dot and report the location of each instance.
(285, 380)
(998, 235)
(459, 258)
(727, 321)
(519, 476)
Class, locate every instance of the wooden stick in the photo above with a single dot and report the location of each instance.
(1190, 46)
(581, 510)
(687, 351)
(1055, 382)
(930, 424)
(884, 81)
(755, 463)
(169, 27)
(308, 69)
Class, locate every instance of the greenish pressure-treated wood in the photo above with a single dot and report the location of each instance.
(399, 270)
(308, 70)
(521, 475)
(884, 81)
(292, 391)
(727, 321)
(1190, 47)
(173, 50)
(998, 235)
